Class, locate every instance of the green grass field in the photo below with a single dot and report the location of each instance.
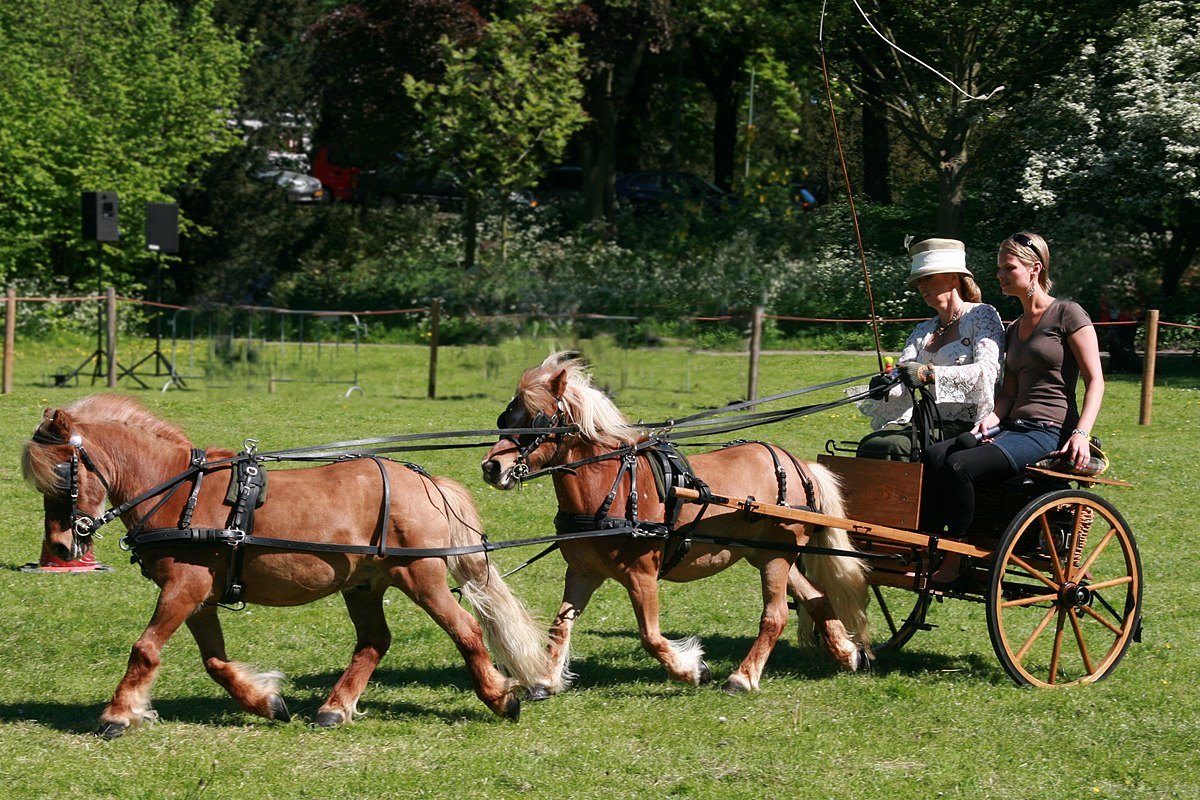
(939, 719)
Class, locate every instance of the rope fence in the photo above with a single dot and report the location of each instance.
(236, 337)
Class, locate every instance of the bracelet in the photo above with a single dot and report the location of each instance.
(1081, 432)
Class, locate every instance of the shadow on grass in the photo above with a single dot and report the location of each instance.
(788, 660)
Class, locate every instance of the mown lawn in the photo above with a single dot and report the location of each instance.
(939, 719)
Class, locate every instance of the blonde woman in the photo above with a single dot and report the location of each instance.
(1049, 347)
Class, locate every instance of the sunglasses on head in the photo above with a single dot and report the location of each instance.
(1025, 241)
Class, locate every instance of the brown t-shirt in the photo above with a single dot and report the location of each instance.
(1044, 366)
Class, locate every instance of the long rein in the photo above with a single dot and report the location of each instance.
(700, 424)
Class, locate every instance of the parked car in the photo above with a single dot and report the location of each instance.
(338, 171)
(297, 187)
(656, 188)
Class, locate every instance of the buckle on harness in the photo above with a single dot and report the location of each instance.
(234, 537)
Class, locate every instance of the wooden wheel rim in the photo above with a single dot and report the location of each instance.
(1065, 596)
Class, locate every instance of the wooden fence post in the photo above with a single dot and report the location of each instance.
(112, 337)
(756, 325)
(10, 331)
(435, 313)
(1148, 366)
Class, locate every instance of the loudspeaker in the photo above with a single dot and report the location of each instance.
(162, 227)
(100, 217)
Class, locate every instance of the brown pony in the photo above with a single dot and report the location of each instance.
(559, 394)
(108, 445)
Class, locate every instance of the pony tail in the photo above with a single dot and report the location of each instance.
(843, 579)
(515, 640)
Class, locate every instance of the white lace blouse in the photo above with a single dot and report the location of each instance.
(967, 370)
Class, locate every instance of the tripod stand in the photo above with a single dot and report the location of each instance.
(99, 355)
(160, 360)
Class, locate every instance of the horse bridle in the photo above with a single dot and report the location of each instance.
(83, 524)
(527, 443)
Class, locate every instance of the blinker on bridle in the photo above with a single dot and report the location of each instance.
(82, 524)
(526, 443)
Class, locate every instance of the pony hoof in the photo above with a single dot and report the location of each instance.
(734, 687)
(705, 675)
(864, 660)
(512, 708)
(329, 719)
(537, 693)
(111, 730)
(278, 709)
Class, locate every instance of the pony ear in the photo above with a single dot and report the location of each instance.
(56, 424)
(558, 383)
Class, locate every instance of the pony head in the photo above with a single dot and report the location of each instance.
(56, 462)
(68, 460)
(556, 394)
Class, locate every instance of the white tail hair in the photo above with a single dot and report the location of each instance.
(843, 579)
(515, 640)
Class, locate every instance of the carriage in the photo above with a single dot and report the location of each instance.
(1054, 563)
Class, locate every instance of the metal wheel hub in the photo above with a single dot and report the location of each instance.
(1075, 594)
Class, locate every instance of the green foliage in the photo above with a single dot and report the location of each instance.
(130, 97)
(1116, 150)
(508, 105)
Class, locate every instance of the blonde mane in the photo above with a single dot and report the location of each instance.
(123, 410)
(598, 418)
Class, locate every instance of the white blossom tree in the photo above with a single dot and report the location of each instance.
(1119, 139)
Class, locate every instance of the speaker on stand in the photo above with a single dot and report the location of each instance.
(162, 236)
(100, 225)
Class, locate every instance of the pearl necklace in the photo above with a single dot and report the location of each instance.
(942, 330)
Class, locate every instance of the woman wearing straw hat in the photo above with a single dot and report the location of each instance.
(954, 356)
(1049, 347)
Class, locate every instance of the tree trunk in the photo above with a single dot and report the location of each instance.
(470, 221)
(876, 148)
(599, 149)
(725, 129)
(951, 167)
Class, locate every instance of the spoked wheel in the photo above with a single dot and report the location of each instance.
(895, 615)
(1066, 591)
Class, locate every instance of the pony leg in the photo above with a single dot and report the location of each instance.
(372, 639)
(771, 624)
(578, 589)
(815, 615)
(257, 693)
(683, 660)
(130, 704)
(424, 580)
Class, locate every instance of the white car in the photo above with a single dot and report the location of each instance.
(297, 187)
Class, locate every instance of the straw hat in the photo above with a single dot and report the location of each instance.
(935, 256)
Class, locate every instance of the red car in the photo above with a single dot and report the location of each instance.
(337, 172)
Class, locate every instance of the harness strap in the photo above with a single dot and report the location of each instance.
(197, 463)
(385, 505)
(250, 482)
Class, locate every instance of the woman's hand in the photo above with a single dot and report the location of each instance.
(986, 424)
(1077, 451)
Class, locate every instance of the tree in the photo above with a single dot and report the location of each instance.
(131, 97)
(505, 108)
(981, 47)
(724, 39)
(1118, 139)
(364, 50)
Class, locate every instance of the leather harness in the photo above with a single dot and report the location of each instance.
(670, 469)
